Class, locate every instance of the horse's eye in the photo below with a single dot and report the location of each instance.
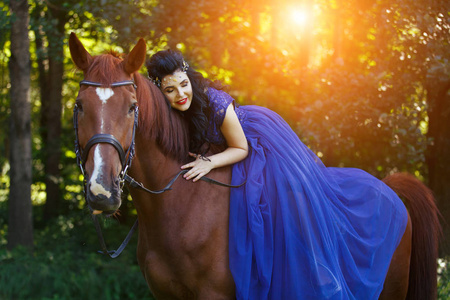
(132, 108)
(78, 106)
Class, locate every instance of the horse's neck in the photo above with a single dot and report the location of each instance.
(152, 166)
(155, 170)
(186, 201)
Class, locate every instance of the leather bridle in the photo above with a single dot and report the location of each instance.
(125, 158)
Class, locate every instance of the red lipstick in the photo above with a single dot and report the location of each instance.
(182, 101)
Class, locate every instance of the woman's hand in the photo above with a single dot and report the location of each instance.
(237, 149)
(199, 167)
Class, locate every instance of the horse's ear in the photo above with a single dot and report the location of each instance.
(80, 56)
(135, 59)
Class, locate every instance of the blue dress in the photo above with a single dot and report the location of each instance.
(299, 230)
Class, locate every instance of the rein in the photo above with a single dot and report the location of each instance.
(133, 183)
(82, 155)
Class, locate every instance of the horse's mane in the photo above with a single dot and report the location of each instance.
(157, 121)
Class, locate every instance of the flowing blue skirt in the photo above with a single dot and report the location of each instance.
(299, 230)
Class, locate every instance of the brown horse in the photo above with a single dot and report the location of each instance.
(183, 233)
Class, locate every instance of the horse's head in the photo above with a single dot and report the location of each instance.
(105, 119)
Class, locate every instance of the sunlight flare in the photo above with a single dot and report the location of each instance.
(299, 16)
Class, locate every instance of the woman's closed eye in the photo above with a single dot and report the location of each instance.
(170, 90)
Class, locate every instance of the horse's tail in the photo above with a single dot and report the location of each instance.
(426, 231)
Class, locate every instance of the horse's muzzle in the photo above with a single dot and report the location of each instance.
(106, 200)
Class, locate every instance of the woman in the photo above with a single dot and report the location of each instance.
(298, 230)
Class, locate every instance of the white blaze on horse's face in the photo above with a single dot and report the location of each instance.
(104, 94)
(96, 188)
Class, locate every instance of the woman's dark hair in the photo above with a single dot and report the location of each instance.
(167, 62)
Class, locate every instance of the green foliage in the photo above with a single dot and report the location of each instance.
(65, 265)
(444, 279)
(5, 24)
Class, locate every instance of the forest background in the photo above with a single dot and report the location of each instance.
(364, 83)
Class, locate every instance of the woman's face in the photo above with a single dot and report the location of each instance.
(178, 90)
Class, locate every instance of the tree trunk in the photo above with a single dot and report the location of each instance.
(51, 113)
(20, 229)
(438, 154)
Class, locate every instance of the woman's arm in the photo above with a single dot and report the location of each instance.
(237, 148)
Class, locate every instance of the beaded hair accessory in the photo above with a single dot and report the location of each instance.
(157, 81)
